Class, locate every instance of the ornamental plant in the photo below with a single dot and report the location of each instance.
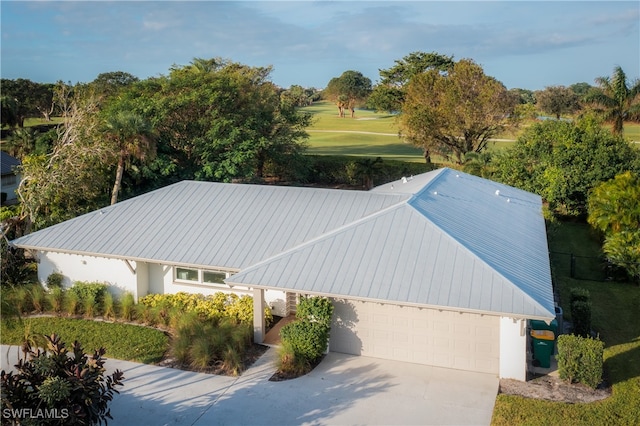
(55, 387)
(306, 339)
(580, 359)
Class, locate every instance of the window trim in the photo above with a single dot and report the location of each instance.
(200, 280)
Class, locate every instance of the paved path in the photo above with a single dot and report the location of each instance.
(343, 389)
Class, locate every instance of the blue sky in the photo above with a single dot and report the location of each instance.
(526, 44)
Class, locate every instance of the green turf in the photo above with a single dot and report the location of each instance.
(122, 341)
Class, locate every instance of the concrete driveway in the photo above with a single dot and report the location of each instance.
(343, 389)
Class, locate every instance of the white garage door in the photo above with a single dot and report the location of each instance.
(425, 336)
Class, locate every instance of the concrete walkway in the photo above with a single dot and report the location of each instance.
(343, 389)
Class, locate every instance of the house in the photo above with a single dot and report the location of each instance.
(10, 180)
(443, 268)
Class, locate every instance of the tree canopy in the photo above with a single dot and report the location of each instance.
(557, 101)
(455, 113)
(562, 161)
(614, 209)
(389, 94)
(348, 90)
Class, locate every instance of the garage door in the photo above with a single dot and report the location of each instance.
(425, 336)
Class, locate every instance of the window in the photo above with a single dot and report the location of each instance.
(213, 277)
(187, 274)
(199, 276)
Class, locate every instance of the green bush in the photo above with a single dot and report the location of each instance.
(108, 306)
(581, 318)
(213, 307)
(56, 298)
(127, 306)
(74, 386)
(336, 170)
(315, 309)
(38, 298)
(54, 280)
(579, 294)
(90, 295)
(71, 302)
(307, 339)
(580, 359)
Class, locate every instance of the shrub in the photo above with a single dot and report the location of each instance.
(127, 306)
(38, 297)
(108, 306)
(315, 309)
(307, 339)
(71, 302)
(54, 280)
(289, 363)
(74, 386)
(56, 297)
(90, 294)
(581, 317)
(579, 294)
(580, 359)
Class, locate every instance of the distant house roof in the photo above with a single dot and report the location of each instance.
(7, 163)
(441, 239)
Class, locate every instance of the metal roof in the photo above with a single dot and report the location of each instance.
(441, 239)
(456, 243)
(7, 163)
(207, 224)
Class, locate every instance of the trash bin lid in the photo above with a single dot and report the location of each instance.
(543, 334)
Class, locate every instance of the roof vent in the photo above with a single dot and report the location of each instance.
(497, 192)
(435, 192)
(404, 179)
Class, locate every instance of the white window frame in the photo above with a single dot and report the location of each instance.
(200, 280)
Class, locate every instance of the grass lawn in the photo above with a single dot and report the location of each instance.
(122, 341)
(372, 134)
(615, 311)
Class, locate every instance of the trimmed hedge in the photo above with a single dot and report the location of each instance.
(308, 337)
(580, 359)
(580, 305)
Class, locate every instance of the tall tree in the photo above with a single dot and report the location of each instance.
(455, 113)
(557, 101)
(614, 209)
(131, 136)
(348, 90)
(388, 95)
(73, 178)
(31, 99)
(562, 161)
(617, 99)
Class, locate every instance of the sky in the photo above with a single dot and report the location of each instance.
(524, 44)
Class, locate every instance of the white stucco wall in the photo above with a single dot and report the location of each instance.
(513, 349)
(87, 268)
(149, 278)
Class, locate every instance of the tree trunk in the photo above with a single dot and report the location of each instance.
(427, 156)
(116, 186)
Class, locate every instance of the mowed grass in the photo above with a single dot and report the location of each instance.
(615, 311)
(122, 341)
(372, 134)
(369, 134)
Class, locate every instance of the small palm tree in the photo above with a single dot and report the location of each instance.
(366, 169)
(478, 163)
(131, 136)
(616, 99)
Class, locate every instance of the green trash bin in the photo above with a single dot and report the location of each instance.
(542, 342)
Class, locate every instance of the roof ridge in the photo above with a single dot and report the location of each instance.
(326, 235)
